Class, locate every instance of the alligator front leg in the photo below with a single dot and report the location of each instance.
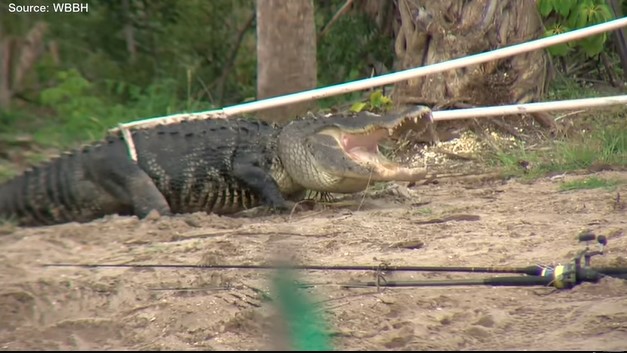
(248, 171)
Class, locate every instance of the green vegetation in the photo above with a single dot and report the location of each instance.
(566, 88)
(594, 139)
(604, 144)
(351, 47)
(565, 15)
(426, 211)
(376, 102)
(94, 74)
(589, 183)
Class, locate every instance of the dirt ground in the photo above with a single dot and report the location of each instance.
(450, 224)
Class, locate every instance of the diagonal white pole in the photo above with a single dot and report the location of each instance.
(388, 78)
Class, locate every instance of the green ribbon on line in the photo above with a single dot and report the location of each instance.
(306, 326)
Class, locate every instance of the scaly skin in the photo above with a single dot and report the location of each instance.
(220, 165)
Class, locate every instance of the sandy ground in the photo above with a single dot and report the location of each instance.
(481, 223)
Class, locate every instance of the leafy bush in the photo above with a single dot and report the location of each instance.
(349, 49)
(85, 113)
(377, 103)
(567, 15)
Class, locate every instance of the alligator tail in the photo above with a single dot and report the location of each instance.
(43, 195)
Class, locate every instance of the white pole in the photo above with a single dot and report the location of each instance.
(391, 78)
(529, 108)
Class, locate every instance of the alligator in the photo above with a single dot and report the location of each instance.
(219, 166)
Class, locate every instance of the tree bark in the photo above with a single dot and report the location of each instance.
(129, 32)
(31, 49)
(5, 71)
(17, 58)
(432, 32)
(286, 54)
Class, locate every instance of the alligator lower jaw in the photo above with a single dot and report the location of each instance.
(395, 172)
(363, 149)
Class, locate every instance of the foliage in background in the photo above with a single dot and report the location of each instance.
(589, 183)
(566, 15)
(127, 60)
(563, 88)
(592, 60)
(376, 102)
(132, 59)
(351, 48)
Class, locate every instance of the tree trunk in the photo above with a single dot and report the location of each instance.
(5, 71)
(129, 31)
(286, 53)
(18, 56)
(432, 32)
(620, 36)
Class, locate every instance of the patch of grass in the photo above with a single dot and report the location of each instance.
(589, 183)
(424, 211)
(603, 145)
(607, 144)
(516, 161)
(566, 88)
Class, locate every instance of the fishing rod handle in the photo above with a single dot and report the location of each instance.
(561, 276)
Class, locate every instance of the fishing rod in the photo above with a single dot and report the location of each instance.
(308, 329)
(560, 276)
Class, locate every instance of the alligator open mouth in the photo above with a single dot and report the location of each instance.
(363, 147)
